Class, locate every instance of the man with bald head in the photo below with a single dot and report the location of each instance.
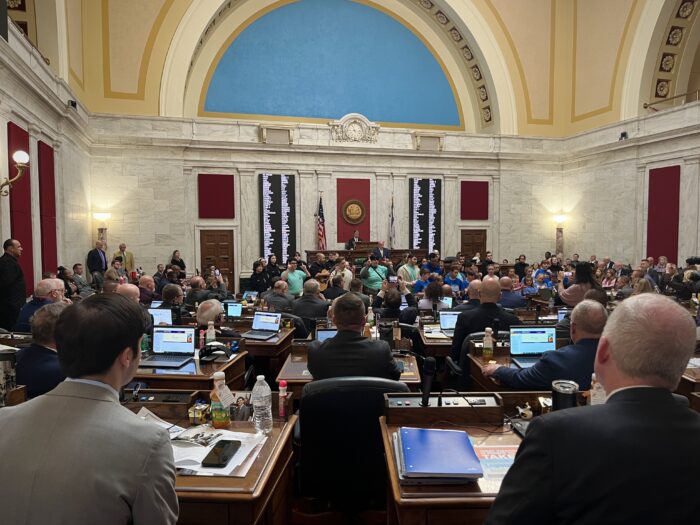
(488, 313)
(199, 292)
(509, 298)
(46, 291)
(311, 305)
(473, 293)
(280, 298)
(130, 291)
(147, 290)
(573, 362)
(641, 433)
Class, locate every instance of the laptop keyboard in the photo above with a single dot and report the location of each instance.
(166, 358)
(258, 333)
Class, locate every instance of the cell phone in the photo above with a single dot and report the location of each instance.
(393, 279)
(221, 454)
(567, 274)
(217, 272)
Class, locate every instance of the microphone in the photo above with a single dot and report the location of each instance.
(428, 375)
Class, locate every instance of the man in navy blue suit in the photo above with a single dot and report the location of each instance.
(37, 365)
(380, 252)
(573, 362)
(509, 298)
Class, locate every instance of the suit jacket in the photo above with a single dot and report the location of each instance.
(573, 362)
(631, 460)
(281, 303)
(13, 291)
(352, 354)
(382, 253)
(467, 305)
(310, 307)
(78, 456)
(95, 262)
(510, 299)
(350, 245)
(127, 260)
(333, 292)
(24, 321)
(476, 320)
(38, 369)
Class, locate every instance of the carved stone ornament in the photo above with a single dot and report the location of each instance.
(486, 112)
(662, 88)
(456, 35)
(483, 94)
(667, 63)
(13, 4)
(441, 17)
(354, 127)
(686, 9)
(427, 4)
(467, 53)
(675, 36)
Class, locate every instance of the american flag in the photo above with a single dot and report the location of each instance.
(392, 225)
(321, 221)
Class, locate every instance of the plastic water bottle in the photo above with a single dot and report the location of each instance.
(597, 394)
(487, 353)
(262, 406)
(210, 336)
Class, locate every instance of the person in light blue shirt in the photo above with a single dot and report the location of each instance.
(295, 277)
(373, 274)
(421, 283)
(529, 287)
(458, 285)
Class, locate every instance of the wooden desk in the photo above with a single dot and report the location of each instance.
(269, 356)
(695, 401)
(193, 377)
(296, 373)
(264, 496)
(441, 504)
(435, 347)
(690, 382)
(486, 384)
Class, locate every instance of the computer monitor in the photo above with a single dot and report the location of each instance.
(156, 304)
(161, 316)
(447, 301)
(249, 295)
(448, 320)
(233, 309)
(325, 333)
(173, 340)
(532, 340)
(562, 313)
(267, 321)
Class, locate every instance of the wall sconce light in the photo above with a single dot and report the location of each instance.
(21, 160)
(103, 217)
(559, 219)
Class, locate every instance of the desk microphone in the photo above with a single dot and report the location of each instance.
(428, 375)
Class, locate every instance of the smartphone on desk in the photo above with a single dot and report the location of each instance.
(221, 454)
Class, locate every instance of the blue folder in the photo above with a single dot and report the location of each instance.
(433, 453)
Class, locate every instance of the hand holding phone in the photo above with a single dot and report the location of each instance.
(221, 453)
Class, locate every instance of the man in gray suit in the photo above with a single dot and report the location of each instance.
(75, 455)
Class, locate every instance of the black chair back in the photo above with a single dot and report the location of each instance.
(342, 453)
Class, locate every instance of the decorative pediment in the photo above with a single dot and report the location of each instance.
(354, 127)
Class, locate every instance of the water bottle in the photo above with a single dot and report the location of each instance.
(262, 406)
(597, 394)
(210, 336)
(487, 353)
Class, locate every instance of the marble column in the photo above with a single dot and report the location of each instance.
(499, 252)
(689, 211)
(401, 206)
(307, 206)
(59, 196)
(249, 216)
(5, 230)
(34, 132)
(381, 203)
(641, 203)
(451, 240)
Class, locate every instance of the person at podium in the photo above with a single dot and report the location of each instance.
(350, 245)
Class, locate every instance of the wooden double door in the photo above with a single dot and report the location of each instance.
(473, 241)
(216, 249)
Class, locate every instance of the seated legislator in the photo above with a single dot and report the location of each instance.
(336, 289)
(509, 298)
(279, 298)
(388, 303)
(199, 292)
(75, 455)
(478, 318)
(350, 353)
(573, 362)
(311, 305)
(632, 459)
(37, 365)
(46, 291)
(356, 288)
(473, 293)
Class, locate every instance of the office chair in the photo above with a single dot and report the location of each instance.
(461, 369)
(300, 329)
(342, 453)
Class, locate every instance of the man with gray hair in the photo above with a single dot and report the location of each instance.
(37, 364)
(279, 298)
(607, 463)
(311, 305)
(573, 362)
(46, 291)
(209, 310)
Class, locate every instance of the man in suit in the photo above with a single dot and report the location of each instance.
(486, 314)
(311, 305)
(387, 303)
(473, 293)
(279, 298)
(199, 293)
(37, 364)
(350, 353)
(46, 291)
(573, 362)
(350, 245)
(380, 252)
(127, 258)
(12, 288)
(356, 288)
(111, 466)
(509, 298)
(97, 263)
(607, 463)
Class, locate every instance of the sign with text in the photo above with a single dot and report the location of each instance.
(425, 212)
(278, 232)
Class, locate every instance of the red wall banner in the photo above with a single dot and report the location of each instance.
(216, 196)
(474, 200)
(663, 214)
(347, 190)
(47, 208)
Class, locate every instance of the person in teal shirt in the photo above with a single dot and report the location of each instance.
(373, 274)
(295, 278)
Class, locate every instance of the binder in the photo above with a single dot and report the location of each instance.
(434, 453)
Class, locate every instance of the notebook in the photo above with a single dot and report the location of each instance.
(528, 343)
(448, 321)
(233, 310)
(173, 346)
(325, 333)
(435, 454)
(161, 316)
(265, 326)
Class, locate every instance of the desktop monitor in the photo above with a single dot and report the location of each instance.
(448, 320)
(161, 316)
(532, 340)
(562, 313)
(173, 340)
(233, 309)
(267, 321)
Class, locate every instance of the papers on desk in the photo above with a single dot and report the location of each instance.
(433, 331)
(150, 417)
(495, 461)
(694, 363)
(191, 447)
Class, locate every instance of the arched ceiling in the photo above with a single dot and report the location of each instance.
(531, 67)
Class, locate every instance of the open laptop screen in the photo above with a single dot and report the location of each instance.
(266, 321)
(562, 312)
(249, 294)
(156, 304)
(448, 320)
(161, 316)
(447, 301)
(532, 340)
(233, 309)
(325, 333)
(173, 340)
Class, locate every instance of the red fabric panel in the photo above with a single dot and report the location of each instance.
(216, 196)
(353, 189)
(47, 211)
(663, 214)
(21, 204)
(474, 200)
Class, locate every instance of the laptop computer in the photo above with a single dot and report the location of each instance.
(448, 321)
(447, 301)
(173, 346)
(161, 316)
(249, 295)
(528, 343)
(325, 333)
(562, 313)
(233, 310)
(545, 294)
(265, 326)
(156, 304)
